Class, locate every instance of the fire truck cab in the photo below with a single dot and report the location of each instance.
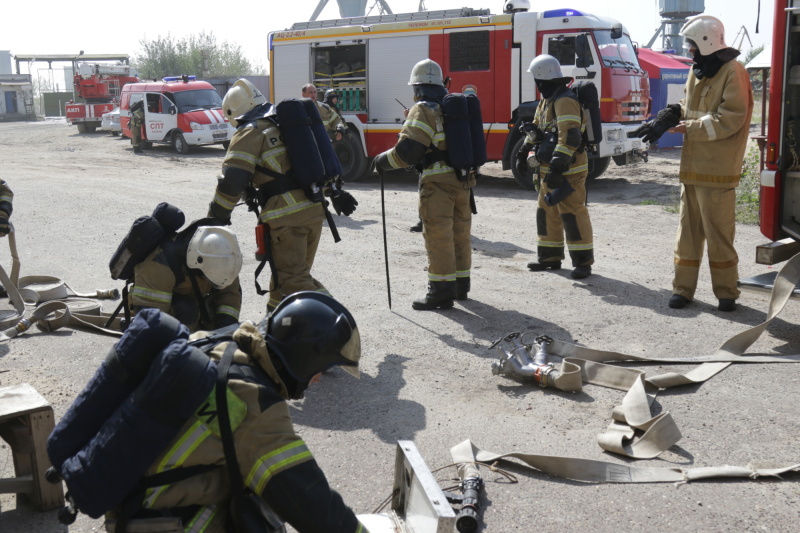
(368, 61)
(179, 111)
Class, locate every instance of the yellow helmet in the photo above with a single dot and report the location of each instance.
(240, 99)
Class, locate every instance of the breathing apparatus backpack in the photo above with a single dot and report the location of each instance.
(586, 91)
(463, 130)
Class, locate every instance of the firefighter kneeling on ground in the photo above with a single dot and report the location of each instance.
(444, 200)
(257, 160)
(193, 277)
(232, 461)
(554, 144)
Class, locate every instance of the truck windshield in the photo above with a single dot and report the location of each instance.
(616, 52)
(199, 99)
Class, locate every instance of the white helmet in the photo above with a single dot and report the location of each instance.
(516, 6)
(427, 71)
(545, 67)
(240, 99)
(215, 252)
(707, 32)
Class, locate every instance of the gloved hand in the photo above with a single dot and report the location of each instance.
(381, 162)
(552, 198)
(522, 158)
(344, 203)
(536, 135)
(4, 225)
(667, 118)
(554, 179)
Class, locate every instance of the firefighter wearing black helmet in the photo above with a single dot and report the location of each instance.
(307, 334)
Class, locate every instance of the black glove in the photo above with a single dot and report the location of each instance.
(533, 129)
(344, 203)
(4, 226)
(667, 118)
(552, 198)
(522, 158)
(381, 162)
(554, 179)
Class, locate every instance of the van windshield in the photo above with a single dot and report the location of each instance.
(196, 100)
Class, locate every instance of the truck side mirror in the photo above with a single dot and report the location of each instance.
(616, 31)
(173, 110)
(583, 51)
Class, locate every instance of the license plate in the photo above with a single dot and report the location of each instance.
(221, 135)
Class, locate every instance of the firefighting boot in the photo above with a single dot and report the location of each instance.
(416, 228)
(440, 296)
(462, 288)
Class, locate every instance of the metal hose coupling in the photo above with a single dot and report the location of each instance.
(517, 360)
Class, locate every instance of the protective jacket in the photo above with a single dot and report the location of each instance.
(716, 112)
(444, 201)
(295, 222)
(561, 150)
(163, 281)
(330, 118)
(274, 461)
(137, 120)
(6, 199)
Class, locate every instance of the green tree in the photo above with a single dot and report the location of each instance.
(751, 54)
(168, 56)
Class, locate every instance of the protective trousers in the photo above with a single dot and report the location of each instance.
(447, 224)
(136, 135)
(707, 214)
(570, 218)
(293, 251)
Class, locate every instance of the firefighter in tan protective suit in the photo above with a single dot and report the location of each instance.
(193, 277)
(257, 159)
(444, 200)
(307, 334)
(556, 138)
(334, 124)
(714, 117)
(6, 207)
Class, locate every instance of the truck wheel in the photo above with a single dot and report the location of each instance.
(114, 133)
(82, 128)
(180, 144)
(526, 181)
(90, 128)
(351, 157)
(597, 167)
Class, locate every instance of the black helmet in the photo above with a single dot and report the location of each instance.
(309, 332)
(330, 94)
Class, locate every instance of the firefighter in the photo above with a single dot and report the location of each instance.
(330, 116)
(444, 200)
(137, 121)
(257, 159)
(714, 117)
(308, 333)
(6, 207)
(193, 277)
(555, 143)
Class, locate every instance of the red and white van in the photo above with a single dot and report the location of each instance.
(179, 111)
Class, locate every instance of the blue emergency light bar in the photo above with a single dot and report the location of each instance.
(562, 13)
(191, 77)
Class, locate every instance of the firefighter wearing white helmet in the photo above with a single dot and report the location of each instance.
(444, 200)
(516, 6)
(193, 276)
(257, 161)
(715, 121)
(554, 145)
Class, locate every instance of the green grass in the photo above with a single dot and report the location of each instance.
(649, 201)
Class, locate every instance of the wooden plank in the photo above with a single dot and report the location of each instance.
(18, 400)
(20, 485)
(45, 495)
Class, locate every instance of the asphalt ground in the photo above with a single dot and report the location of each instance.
(426, 376)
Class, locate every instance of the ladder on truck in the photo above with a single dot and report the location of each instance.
(398, 17)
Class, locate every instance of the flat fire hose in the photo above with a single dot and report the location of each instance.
(606, 472)
(585, 365)
(54, 311)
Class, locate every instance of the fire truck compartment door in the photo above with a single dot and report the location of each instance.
(157, 117)
(389, 65)
(291, 70)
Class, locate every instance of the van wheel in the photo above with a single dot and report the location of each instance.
(597, 167)
(180, 144)
(526, 181)
(351, 157)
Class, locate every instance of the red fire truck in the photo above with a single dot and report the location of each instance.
(368, 61)
(98, 86)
